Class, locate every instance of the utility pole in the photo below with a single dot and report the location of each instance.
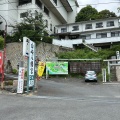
(4, 53)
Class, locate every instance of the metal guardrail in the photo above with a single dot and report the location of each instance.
(91, 47)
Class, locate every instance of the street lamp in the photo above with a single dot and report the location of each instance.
(4, 46)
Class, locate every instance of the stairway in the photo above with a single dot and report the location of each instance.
(95, 49)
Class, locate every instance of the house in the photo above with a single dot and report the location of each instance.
(101, 33)
(55, 12)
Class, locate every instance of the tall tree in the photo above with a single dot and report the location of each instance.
(106, 14)
(87, 13)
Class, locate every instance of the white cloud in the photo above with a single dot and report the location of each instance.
(110, 5)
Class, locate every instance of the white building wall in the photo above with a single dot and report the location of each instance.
(82, 26)
(3, 13)
(92, 32)
(71, 15)
(61, 10)
(9, 12)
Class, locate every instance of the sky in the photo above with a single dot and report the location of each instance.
(110, 5)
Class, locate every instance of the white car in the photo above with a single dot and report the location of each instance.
(90, 76)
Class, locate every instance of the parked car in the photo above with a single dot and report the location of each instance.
(90, 76)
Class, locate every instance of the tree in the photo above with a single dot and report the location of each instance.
(87, 13)
(31, 27)
(106, 14)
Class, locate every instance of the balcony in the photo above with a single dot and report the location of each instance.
(101, 41)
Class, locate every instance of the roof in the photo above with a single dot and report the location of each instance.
(90, 21)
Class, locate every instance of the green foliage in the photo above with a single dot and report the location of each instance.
(89, 54)
(47, 39)
(31, 27)
(15, 71)
(7, 83)
(89, 13)
(106, 14)
(1, 42)
(100, 77)
(25, 73)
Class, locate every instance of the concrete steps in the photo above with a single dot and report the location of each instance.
(95, 49)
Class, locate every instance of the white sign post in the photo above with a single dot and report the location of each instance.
(26, 45)
(29, 52)
(104, 74)
(20, 80)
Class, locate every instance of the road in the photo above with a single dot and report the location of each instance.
(63, 100)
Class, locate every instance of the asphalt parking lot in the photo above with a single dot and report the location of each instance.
(75, 87)
(63, 99)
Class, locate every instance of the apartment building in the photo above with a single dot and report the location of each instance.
(55, 12)
(100, 33)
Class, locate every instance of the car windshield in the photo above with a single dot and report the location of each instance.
(90, 72)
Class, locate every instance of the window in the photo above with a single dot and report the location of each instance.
(88, 26)
(73, 36)
(55, 1)
(54, 29)
(25, 14)
(38, 3)
(115, 34)
(46, 23)
(46, 10)
(75, 28)
(110, 23)
(22, 2)
(101, 35)
(63, 30)
(50, 27)
(99, 25)
(85, 36)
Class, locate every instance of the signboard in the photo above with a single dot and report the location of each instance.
(41, 67)
(26, 45)
(31, 63)
(55, 68)
(20, 80)
(1, 61)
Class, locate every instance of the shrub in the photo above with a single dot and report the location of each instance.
(15, 71)
(25, 73)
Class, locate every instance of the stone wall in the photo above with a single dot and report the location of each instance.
(14, 52)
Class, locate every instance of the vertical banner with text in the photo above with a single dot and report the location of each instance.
(31, 63)
(20, 80)
(41, 67)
